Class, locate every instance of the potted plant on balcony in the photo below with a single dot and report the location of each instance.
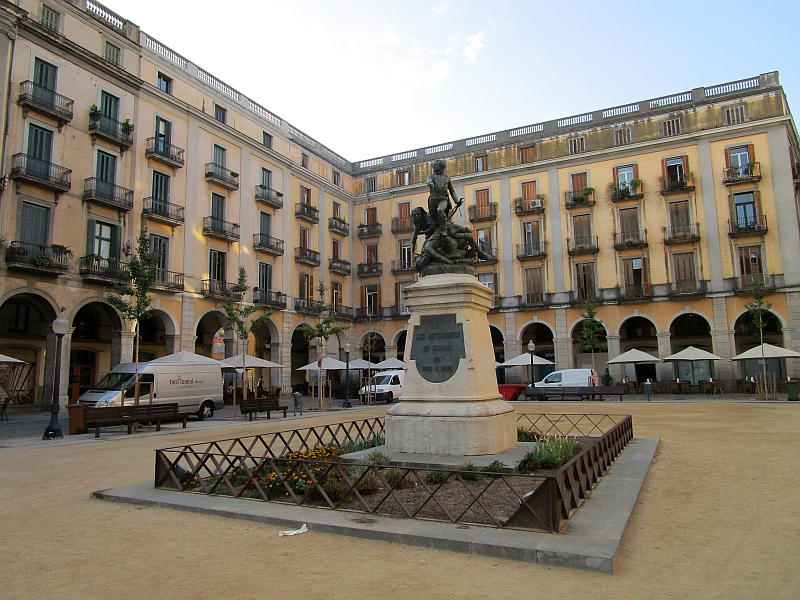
(749, 169)
(60, 250)
(127, 127)
(94, 112)
(16, 251)
(635, 185)
(42, 260)
(586, 193)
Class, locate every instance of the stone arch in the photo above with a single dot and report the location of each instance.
(205, 329)
(778, 316)
(396, 337)
(747, 336)
(377, 352)
(626, 318)
(544, 337)
(676, 316)
(534, 322)
(639, 332)
(499, 348)
(691, 329)
(44, 296)
(577, 322)
(157, 335)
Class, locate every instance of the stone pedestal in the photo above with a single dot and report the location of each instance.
(450, 403)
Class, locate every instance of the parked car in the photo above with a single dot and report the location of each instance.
(386, 385)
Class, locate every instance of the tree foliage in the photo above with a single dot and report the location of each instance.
(591, 328)
(239, 316)
(758, 308)
(327, 325)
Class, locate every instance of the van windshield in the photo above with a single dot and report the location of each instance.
(113, 381)
(381, 380)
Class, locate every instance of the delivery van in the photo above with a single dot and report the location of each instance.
(386, 385)
(196, 387)
(569, 378)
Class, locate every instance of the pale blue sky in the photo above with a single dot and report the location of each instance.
(368, 78)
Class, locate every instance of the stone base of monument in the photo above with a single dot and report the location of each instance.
(450, 403)
(410, 460)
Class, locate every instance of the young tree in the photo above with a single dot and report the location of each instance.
(238, 320)
(323, 330)
(758, 309)
(132, 298)
(591, 330)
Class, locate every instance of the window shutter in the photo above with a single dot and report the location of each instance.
(645, 276)
(728, 158)
(116, 230)
(685, 166)
(751, 153)
(380, 303)
(397, 295)
(310, 287)
(636, 171)
(482, 198)
(615, 175)
(757, 197)
(732, 206)
(664, 167)
(404, 210)
(90, 237)
(363, 297)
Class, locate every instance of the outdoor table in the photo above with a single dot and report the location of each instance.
(686, 387)
(717, 387)
(630, 387)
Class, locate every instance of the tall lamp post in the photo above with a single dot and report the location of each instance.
(347, 348)
(531, 348)
(53, 430)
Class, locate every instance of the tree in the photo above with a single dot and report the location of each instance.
(238, 320)
(591, 330)
(323, 330)
(758, 309)
(132, 298)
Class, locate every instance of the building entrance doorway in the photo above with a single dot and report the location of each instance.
(81, 373)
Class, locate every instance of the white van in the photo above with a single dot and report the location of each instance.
(569, 378)
(386, 385)
(196, 387)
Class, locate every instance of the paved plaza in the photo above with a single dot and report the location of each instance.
(717, 518)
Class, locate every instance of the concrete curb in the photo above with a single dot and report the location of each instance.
(591, 541)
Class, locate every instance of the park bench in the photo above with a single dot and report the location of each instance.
(252, 406)
(580, 392)
(128, 415)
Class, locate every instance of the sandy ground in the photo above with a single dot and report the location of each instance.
(718, 518)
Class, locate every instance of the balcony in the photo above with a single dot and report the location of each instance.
(160, 150)
(531, 251)
(308, 306)
(534, 300)
(166, 212)
(749, 173)
(373, 269)
(368, 314)
(582, 245)
(627, 240)
(579, 199)
(40, 172)
(744, 226)
(306, 212)
(268, 244)
(343, 313)
(369, 230)
(337, 265)
(620, 193)
(672, 185)
(581, 295)
(168, 281)
(398, 312)
(682, 234)
(306, 256)
(219, 290)
(529, 206)
(36, 97)
(744, 283)
(688, 287)
(103, 270)
(402, 225)
(102, 192)
(101, 126)
(639, 291)
(486, 212)
(269, 298)
(218, 228)
(339, 226)
(221, 176)
(33, 257)
(268, 196)
(402, 266)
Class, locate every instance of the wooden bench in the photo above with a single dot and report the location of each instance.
(580, 392)
(128, 415)
(252, 406)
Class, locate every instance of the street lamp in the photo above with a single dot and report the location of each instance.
(531, 348)
(53, 430)
(347, 348)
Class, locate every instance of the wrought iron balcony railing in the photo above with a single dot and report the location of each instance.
(483, 212)
(640, 291)
(402, 265)
(582, 245)
(752, 225)
(579, 198)
(35, 257)
(266, 195)
(108, 194)
(337, 265)
(626, 192)
(308, 306)
(527, 206)
(687, 287)
(267, 243)
(744, 174)
(630, 239)
(98, 268)
(110, 129)
(343, 313)
(40, 172)
(219, 228)
(222, 176)
(402, 225)
(745, 282)
(674, 185)
(219, 290)
(306, 212)
(370, 230)
(679, 234)
(40, 99)
(369, 313)
(161, 210)
(531, 250)
(159, 149)
(338, 226)
(269, 298)
(582, 294)
(372, 269)
(307, 256)
(533, 299)
(168, 280)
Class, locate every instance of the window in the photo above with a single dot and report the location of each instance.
(371, 253)
(404, 215)
(105, 174)
(305, 238)
(490, 281)
(112, 53)
(629, 224)
(371, 298)
(584, 281)
(164, 83)
(482, 207)
(582, 231)
(405, 254)
(337, 177)
(534, 289)
(220, 156)
(109, 106)
(336, 294)
(19, 319)
(679, 218)
(218, 207)
(163, 136)
(160, 191)
(371, 215)
(624, 177)
(264, 276)
(576, 145)
(735, 115)
(634, 272)
(530, 237)
(529, 199)
(400, 298)
(216, 265)
(370, 185)
(266, 178)
(403, 178)
(336, 249)
(337, 210)
(623, 136)
(744, 206)
(305, 195)
(50, 18)
(34, 224)
(675, 170)
(264, 223)
(304, 161)
(671, 127)
(266, 139)
(40, 146)
(160, 245)
(738, 158)
(683, 266)
(527, 155)
(44, 76)
(481, 164)
(483, 236)
(579, 182)
(220, 113)
(306, 286)
(750, 266)
(104, 240)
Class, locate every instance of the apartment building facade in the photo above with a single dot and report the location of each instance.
(662, 213)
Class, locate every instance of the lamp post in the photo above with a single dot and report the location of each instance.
(53, 430)
(531, 348)
(347, 348)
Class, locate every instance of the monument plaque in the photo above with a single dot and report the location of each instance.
(437, 346)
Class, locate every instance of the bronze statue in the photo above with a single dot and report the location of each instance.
(441, 189)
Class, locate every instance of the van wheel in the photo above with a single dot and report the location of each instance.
(389, 398)
(206, 411)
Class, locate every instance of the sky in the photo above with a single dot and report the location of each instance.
(371, 77)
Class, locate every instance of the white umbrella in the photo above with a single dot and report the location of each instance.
(391, 363)
(524, 360)
(769, 350)
(185, 357)
(360, 363)
(692, 354)
(633, 356)
(252, 362)
(10, 360)
(328, 364)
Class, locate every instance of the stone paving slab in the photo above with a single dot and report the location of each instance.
(591, 541)
(412, 460)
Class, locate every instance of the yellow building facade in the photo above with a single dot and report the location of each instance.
(662, 213)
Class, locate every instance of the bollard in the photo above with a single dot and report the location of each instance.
(648, 387)
(298, 403)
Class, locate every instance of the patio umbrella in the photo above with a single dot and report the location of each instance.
(391, 363)
(769, 351)
(692, 354)
(328, 364)
(524, 360)
(185, 357)
(361, 364)
(633, 356)
(10, 360)
(252, 362)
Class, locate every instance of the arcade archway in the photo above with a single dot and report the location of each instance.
(746, 335)
(639, 333)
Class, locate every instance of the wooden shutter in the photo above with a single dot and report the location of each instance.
(397, 295)
(679, 215)
(372, 215)
(728, 157)
(379, 303)
(757, 200)
(636, 171)
(685, 167)
(404, 210)
(627, 270)
(645, 276)
(664, 172)
(579, 181)
(629, 220)
(363, 297)
(311, 287)
(529, 190)
(615, 175)
(33, 228)
(116, 232)
(482, 198)
(684, 268)
(582, 226)
(751, 153)
(372, 253)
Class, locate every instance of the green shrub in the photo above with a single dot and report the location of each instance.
(468, 472)
(523, 435)
(378, 458)
(435, 477)
(364, 444)
(495, 467)
(550, 453)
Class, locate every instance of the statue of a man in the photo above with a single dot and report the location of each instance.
(442, 189)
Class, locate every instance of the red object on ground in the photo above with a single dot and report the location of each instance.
(511, 391)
